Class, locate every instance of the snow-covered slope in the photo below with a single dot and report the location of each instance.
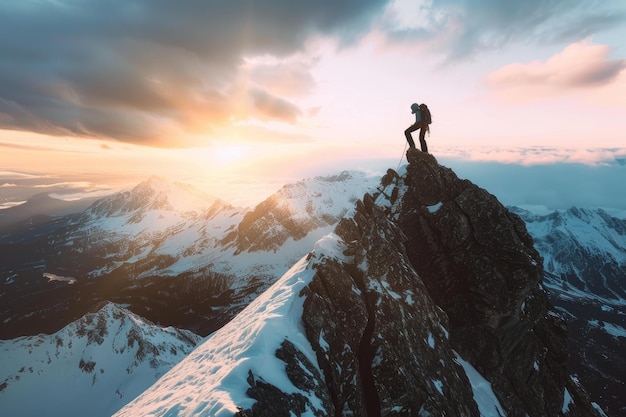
(92, 367)
(211, 381)
(584, 249)
(159, 220)
(215, 379)
(584, 253)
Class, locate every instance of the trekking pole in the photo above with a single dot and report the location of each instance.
(380, 188)
(401, 156)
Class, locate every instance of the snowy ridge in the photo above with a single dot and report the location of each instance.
(157, 218)
(190, 230)
(92, 367)
(155, 193)
(584, 248)
(297, 209)
(591, 228)
(212, 380)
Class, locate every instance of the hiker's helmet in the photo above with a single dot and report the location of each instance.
(414, 108)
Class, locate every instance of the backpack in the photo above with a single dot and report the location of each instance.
(425, 114)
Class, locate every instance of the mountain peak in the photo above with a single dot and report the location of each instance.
(297, 209)
(479, 264)
(156, 193)
(87, 355)
(400, 311)
(342, 176)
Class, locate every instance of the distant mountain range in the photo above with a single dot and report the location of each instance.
(39, 209)
(164, 244)
(181, 258)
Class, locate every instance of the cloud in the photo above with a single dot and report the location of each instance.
(151, 70)
(537, 155)
(10, 204)
(580, 65)
(555, 186)
(286, 78)
(274, 107)
(66, 184)
(541, 176)
(461, 29)
(20, 175)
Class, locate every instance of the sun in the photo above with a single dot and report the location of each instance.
(226, 154)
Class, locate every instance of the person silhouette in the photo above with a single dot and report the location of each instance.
(419, 124)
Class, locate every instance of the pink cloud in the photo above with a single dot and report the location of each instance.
(580, 66)
(536, 155)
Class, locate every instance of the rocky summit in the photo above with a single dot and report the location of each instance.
(479, 265)
(440, 274)
(427, 301)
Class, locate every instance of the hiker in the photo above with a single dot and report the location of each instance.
(422, 121)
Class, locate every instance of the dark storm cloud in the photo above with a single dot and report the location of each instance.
(110, 68)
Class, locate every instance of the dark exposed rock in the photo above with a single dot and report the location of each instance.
(379, 338)
(584, 266)
(269, 225)
(479, 264)
(272, 402)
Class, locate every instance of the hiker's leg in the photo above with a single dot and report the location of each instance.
(407, 134)
(423, 140)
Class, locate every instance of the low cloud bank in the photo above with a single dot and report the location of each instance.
(554, 186)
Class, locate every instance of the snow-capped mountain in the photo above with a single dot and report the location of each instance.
(183, 258)
(172, 254)
(169, 225)
(359, 326)
(584, 249)
(584, 252)
(298, 209)
(91, 367)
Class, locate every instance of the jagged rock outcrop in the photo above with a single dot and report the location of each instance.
(437, 269)
(380, 341)
(480, 266)
(379, 338)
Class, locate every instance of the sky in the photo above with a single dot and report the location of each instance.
(239, 97)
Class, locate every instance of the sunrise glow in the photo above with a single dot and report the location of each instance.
(245, 96)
